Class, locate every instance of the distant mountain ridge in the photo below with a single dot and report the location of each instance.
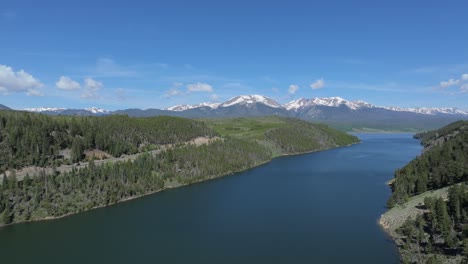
(2, 107)
(248, 100)
(335, 111)
(303, 103)
(65, 111)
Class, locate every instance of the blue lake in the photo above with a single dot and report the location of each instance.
(315, 208)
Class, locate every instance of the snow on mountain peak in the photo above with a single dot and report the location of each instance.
(44, 109)
(327, 101)
(179, 108)
(96, 110)
(251, 99)
(428, 111)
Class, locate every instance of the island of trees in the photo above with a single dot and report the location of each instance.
(81, 162)
(436, 230)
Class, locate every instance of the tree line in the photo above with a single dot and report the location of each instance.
(35, 139)
(441, 230)
(39, 196)
(442, 164)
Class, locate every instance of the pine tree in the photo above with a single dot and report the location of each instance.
(465, 248)
(7, 215)
(76, 150)
(443, 219)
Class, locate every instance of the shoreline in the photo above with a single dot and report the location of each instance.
(49, 218)
(395, 217)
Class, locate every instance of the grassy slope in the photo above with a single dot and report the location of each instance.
(245, 128)
(275, 132)
(396, 217)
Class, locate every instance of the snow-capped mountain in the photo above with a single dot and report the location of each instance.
(44, 109)
(251, 99)
(65, 111)
(428, 111)
(335, 111)
(302, 103)
(96, 110)
(238, 100)
(184, 107)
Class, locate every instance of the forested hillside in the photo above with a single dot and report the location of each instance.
(33, 139)
(439, 232)
(444, 162)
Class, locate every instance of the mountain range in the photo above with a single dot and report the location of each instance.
(2, 107)
(335, 111)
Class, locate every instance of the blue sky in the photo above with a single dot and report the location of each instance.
(155, 54)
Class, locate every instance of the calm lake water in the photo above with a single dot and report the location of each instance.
(315, 208)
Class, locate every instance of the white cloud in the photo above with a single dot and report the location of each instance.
(320, 83)
(450, 82)
(20, 81)
(121, 94)
(91, 89)
(34, 92)
(174, 90)
(199, 87)
(461, 84)
(92, 84)
(464, 88)
(67, 84)
(293, 88)
(214, 97)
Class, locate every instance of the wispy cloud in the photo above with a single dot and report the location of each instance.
(438, 69)
(120, 94)
(199, 87)
(464, 88)
(269, 79)
(461, 83)
(106, 67)
(450, 82)
(174, 90)
(34, 92)
(18, 82)
(318, 84)
(67, 84)
(92, 88)
(293, 88)
(424, 70)
(214, 97)
(350, 61)
(381, 87)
